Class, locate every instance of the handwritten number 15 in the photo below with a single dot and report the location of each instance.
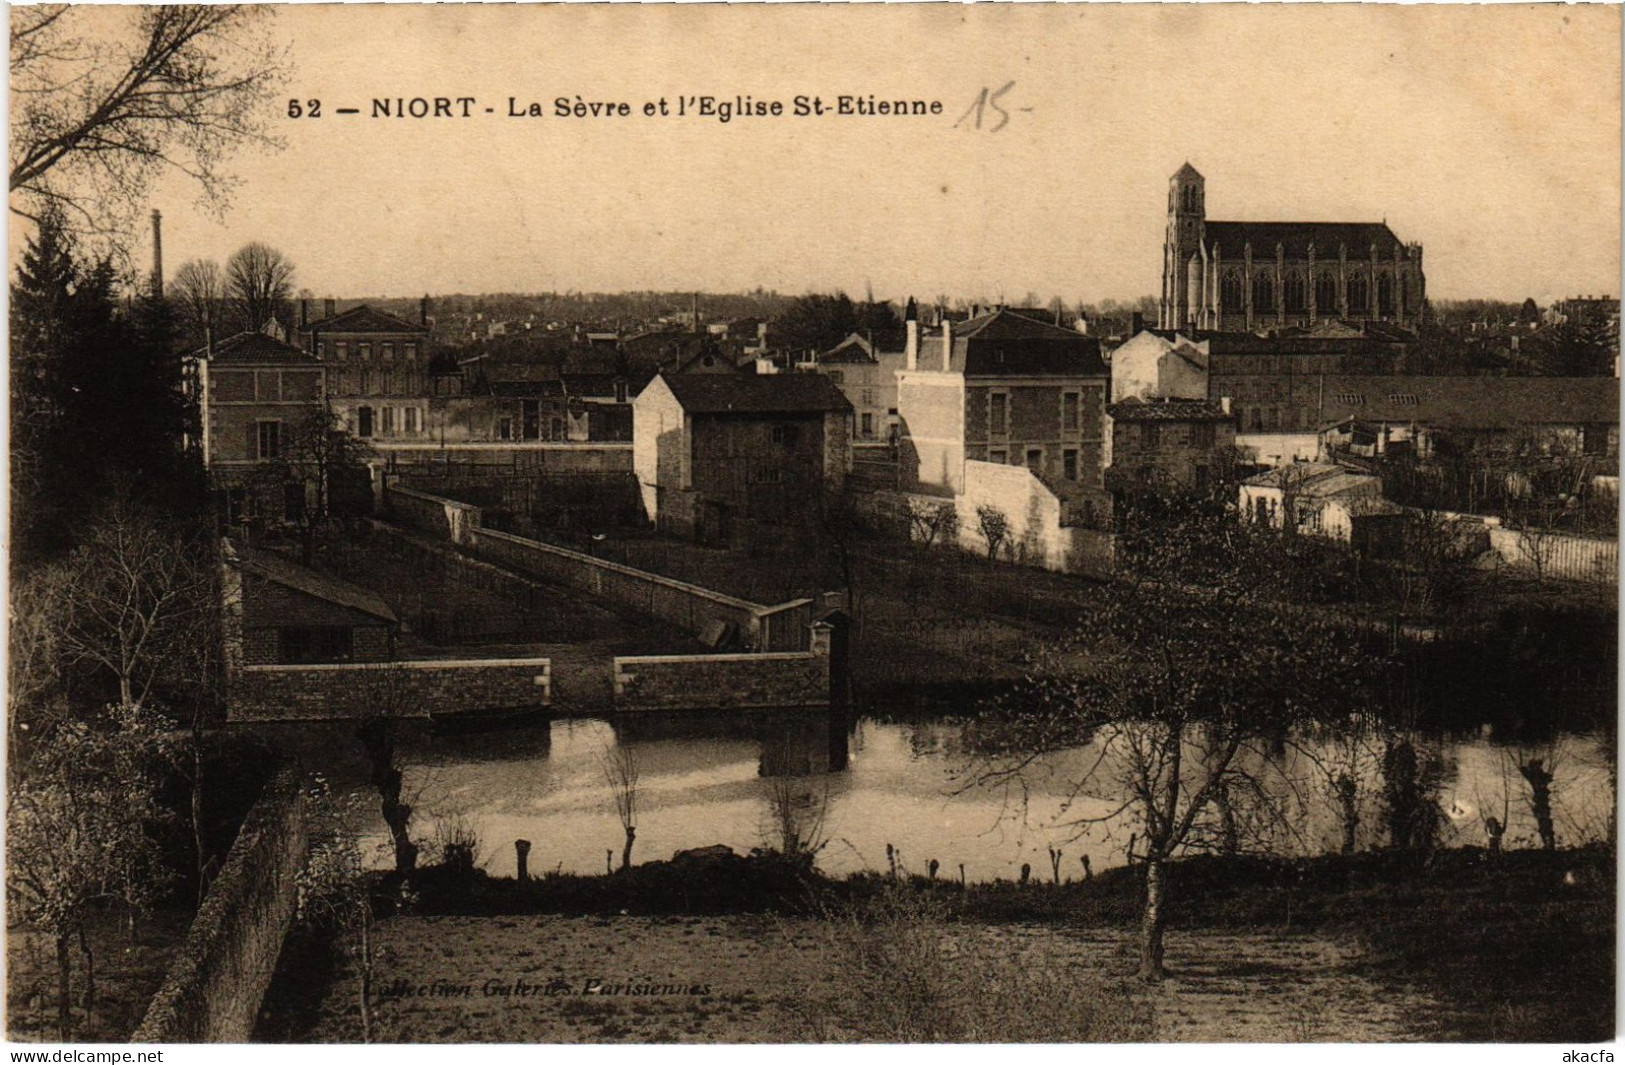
(987, 101)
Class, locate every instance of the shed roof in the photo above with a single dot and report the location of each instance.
(311, 582)
(255, 348)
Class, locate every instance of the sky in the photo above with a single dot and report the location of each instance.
(1491, 135)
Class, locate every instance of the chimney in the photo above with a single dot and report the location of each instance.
(911, 342)
(947, 344)
(1136, 324)
(331, 307)
(423, 310)
(1224, 405)
(304, 312)
(157, 255)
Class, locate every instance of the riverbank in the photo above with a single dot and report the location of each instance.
(1368, 947)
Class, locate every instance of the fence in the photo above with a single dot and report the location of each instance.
(212, 993)
(1553, 554)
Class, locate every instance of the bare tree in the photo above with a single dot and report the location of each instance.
(258, 280)
(199, 292)
(1183, 678)
(995, 528)
(621, 774)
(127, 599)
(929, 520)
(105, 100)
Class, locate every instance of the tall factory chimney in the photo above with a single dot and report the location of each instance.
(157, 254)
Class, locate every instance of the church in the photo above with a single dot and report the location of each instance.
(1258, 276)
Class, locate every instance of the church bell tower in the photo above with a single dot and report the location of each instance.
(1186, 210)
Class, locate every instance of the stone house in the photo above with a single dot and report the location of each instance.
(281, 613)
(253, 392)
(1317, 498)
(715, 453)
(1009, 390)
(378, 370)
(1169, 446)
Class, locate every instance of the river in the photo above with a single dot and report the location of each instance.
(708, 780)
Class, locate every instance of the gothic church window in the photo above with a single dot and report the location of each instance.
(1230, 298)
(1326, 294)
(1359, 294)
(1296, 298)
(1385, 295)
(1263, 294)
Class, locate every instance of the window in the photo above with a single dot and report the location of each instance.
(1294, 294)
(1069, 463)
(315, 643)
(1150, 435)
(868, 429)
(505, 429)
(787, 435)
(1230, 294)
(868, 397)
(1202, 435)
(1359, 295)
(998, 456)
(1069, 412)
(1263, 294)
(1035, 459)
(363, 421)
(1258, 419)
(620, 391)
(410, 423)
(363, 350)
(1385, 295)
(341, 350)
(389, 420)
(386, 350)
(268, 440)
(998, 412)
(409, 351)
(1326, 294)
(366, 383)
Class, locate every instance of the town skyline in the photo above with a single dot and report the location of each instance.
(1068, 200)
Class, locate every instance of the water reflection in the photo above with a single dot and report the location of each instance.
(708, 780)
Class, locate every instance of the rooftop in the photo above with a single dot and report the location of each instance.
(257, 349)
(311, 582)
(1135, 409)
(364, 319)
(745, 393)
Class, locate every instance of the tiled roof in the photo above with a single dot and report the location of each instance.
(1471, 402)
(364, 319)
(1231, 239)
(745, 393)
(311, 582)
(255, 348)
(1005, 324)
(1135, 409)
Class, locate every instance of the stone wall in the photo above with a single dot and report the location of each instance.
(547, 457)
(688, 606)
(1575, 558)
(444, 519)
(415, 688)
(721, 682)
(213, 991)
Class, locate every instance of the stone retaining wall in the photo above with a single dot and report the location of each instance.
(414, 688)
(213, 991)
(721, 682)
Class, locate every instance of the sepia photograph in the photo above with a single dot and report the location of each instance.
(812, 524)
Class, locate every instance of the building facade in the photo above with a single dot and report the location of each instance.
(378, 371)
(1009, 390)
(1257, 276)
(716, 454)
(865, 370)
(253, 394)
(1169, 447)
